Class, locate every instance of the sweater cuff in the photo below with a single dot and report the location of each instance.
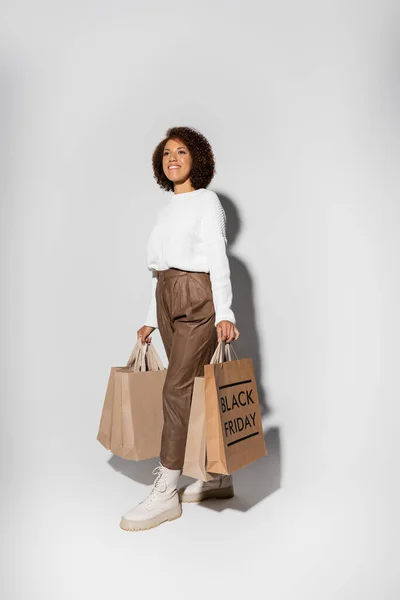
(151, 318)
(226, 315)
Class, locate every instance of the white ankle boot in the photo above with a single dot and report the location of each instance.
(162, 504)
(219, 487)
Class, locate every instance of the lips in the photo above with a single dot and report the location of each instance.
(174, 167)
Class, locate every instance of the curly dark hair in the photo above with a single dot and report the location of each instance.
(203, 167)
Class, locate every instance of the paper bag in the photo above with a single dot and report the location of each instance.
(132, 418)
(196, 451)
(233, 417)
(104, 433)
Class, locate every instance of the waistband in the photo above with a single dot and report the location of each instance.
(175, 272)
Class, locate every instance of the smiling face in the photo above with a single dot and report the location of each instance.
(177, 161)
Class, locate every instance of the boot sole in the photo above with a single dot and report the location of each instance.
(220, 494)
(169, 515)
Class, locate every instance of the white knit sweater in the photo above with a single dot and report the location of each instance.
(190, 234)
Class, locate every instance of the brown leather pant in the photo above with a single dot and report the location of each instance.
(185, 316)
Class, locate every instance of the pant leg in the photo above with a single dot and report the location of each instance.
(187, 325)
(164, 321)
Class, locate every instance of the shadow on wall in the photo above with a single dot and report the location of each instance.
(261, 478)
(248, 345)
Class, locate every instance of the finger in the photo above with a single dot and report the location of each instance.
(231, 336)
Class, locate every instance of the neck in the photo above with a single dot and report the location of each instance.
(183, 188)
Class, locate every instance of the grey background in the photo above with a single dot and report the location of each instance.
(300, 101)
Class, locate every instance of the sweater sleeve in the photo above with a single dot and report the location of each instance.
(151, 319)
(214, 238)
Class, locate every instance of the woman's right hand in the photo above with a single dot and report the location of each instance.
(144, 333)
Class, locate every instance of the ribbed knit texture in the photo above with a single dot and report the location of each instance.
(190, 234)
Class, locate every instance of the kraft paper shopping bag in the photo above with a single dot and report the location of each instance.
(132, 418)
(136, 361)
(104, 433)
(233, 418)
(195, 464)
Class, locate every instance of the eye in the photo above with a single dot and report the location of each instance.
(182, 151)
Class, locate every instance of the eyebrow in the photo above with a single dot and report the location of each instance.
(179, 147)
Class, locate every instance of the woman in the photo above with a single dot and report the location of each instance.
(190, 304)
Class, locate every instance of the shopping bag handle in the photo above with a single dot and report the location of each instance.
(144, 357)
(230, 351)
(153, 359)
(223, 353)
(136, 361)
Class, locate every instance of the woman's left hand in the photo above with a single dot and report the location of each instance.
(227, 331)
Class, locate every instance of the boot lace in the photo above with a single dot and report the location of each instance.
(160, 483)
